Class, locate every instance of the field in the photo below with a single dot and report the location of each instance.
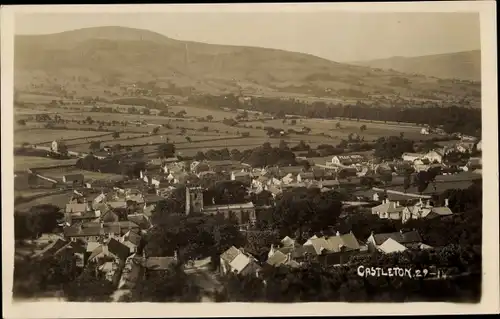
(38, 136)
(22, 163)
(59, 200)
(58, 173)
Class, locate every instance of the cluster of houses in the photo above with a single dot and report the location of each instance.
(328, 250)
(394, 210)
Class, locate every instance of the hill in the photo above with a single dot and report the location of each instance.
(460, 65)
(105, 61)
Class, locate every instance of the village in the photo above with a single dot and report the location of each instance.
(106, 226)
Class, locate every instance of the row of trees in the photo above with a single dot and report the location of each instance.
(453, 119)
(318, 283)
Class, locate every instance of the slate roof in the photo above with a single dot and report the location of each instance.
(73, 177)
(133, 237)
(402, 238)
(391, 246)
(240, 262)
(76, 207)
(277, 259)
(230, 254)
(442, 211)
(52, 248)
(333, 243)
(118, 249)
(141, 220)
(387, 207)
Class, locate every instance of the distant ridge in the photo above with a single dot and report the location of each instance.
(464, 65)
(100, 61)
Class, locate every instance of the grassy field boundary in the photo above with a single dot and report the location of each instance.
(74, 139)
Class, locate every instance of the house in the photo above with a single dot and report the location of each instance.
(425, 210)
(348, 160)
(409, 239)
(280, 259)
(289, 254)
(76, 207)
(425, 131)
(465, 147)
(260, 182)
(132, 240)
(53, 248)
(58, 146)
(241, 176)
(434, 156)
(391, 246)
(73, 179)
(336, 249)
(91, 232)
(305, 176)
(388, 210)
(411, 157)
(479, 146)
(118, 249)
(141, 220)
(235, 260)
(288, 179)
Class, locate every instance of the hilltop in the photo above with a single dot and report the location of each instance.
(459, 65)
(102, 61)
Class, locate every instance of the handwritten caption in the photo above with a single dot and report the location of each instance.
(394, 272)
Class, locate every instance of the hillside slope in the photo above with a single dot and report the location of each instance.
(460, 65)
(94, 60)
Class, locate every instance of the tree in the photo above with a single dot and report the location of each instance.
(89, 120)
(89, 287)
(338, 126)
(386, 178)
(283, 145)
(407, 182)
(156, 130)
(21, 122)
(210, 118)
(362, 128)
(166, 150)
(171, 285)
(188, 139)
(303, 210)
(116, 135)
(392, 147)
(95, 146)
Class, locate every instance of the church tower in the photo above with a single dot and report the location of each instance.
(194, 200)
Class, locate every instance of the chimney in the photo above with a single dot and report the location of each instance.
(289, 257)
(397, 204)
(337, 234)
(175, 255)
(401, 231)
(446, 202)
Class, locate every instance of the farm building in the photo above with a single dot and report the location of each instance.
(73, 179)
(411, 157)
(434, 156)
(346, 160)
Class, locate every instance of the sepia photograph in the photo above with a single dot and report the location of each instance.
(260, 153)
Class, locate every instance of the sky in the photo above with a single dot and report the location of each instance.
(342, 37)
